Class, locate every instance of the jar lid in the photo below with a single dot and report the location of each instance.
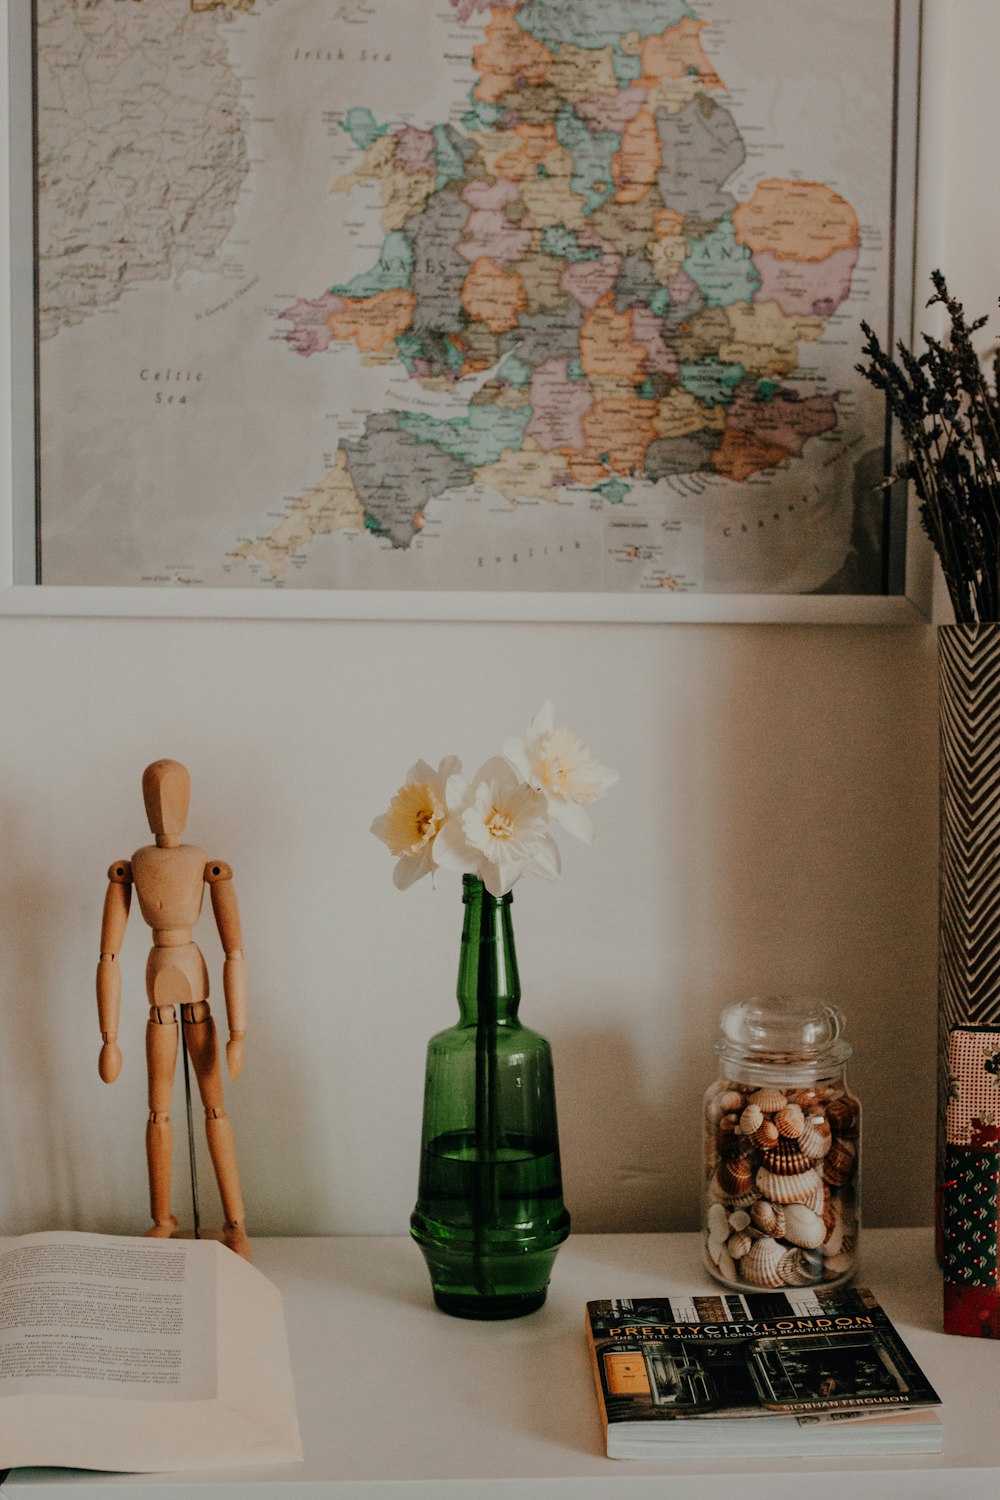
(785, 1030)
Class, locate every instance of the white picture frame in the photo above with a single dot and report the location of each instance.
(19, 595)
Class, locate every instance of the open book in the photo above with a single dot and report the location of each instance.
(140, 1354)
(776, 1374)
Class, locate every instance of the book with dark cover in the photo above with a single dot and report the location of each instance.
(826, 1370)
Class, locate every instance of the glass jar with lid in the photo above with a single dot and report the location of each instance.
(782, 1135)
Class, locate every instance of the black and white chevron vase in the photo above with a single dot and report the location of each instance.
(969, 918)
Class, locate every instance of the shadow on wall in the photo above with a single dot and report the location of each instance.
(792, 846)
(283, 1160)
(39, 1051)
(622, 1169)
(821, 863)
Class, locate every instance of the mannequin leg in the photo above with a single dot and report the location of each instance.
(161, 1058)
(202, 1044)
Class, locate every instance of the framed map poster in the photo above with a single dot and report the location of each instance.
(526, 308)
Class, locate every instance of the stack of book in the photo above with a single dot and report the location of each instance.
(762, 1375)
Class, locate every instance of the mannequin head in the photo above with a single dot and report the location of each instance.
(166, 791)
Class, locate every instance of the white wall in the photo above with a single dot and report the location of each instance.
(774, 828)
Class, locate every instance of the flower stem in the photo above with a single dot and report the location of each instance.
(486, 1207)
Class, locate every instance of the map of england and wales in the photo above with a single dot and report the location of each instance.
(570, 251)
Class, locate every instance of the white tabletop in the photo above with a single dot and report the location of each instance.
(397, 1401)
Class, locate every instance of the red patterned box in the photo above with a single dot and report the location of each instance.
(970, 1192)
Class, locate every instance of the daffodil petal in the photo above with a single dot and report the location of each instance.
(545, 861)
(500, 877)
(411, 868)
(517, 753)
(499, 771)
(607, 777)
(456, 791)
(543, 720)
(451, 849)
(529, 802)
(573, 818)
(474, 831)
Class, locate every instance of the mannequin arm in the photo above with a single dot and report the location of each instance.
(109, 976)
(234, 971)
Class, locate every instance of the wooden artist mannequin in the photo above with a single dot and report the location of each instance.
(169, 879)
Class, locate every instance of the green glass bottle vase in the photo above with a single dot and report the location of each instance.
(490, 1214)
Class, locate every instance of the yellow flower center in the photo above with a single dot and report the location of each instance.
(554, 774)
(414, 817)
(499, 824)
(566, 768)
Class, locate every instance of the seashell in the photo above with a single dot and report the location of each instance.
(735, 1176)
(729, 1200)
(751, 1119)
(727, 1266)
(800, 1187)
(840, 1162)
(830, 1209)
(837, 1265)
(816, 1198)
(716, 1193)
(800, 1267)
(790, 1121)
(766, 1137)
(786, 1160)
(734, 1144)
(804, 1227)
(730, 1101)
(726, 1153)
(815, 1139)
(769, 1099)
(738, 1243)
(843, 1233)
(806, 1099)
(760, 1264)
(842, 1114)
(739, 1220)
(714, 1247)
(835, 1234)
(728, 1124)
(769, 1217)
(717, 1221)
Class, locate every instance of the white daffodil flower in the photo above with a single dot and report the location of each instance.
(560, 766)
(497, 829)
(415, 818)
